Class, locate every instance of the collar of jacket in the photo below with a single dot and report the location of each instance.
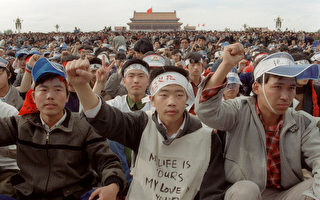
(288, 123)
(66, 125)
(192, 124)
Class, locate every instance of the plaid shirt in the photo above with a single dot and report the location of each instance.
(195, 90)
(273, 152)
(210, 92)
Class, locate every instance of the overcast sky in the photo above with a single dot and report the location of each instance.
(93, 15)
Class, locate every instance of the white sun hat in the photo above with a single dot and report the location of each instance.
(282, 64)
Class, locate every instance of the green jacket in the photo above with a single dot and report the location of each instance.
(59, 163)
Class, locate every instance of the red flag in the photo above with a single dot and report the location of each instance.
(149, 10)
(203, 24)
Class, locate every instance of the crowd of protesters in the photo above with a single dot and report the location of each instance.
(63, 95)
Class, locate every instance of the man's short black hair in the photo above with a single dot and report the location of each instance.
(300, 56)
(143, 46)
(134, 37)
(11, 53)
(160, 70)
(194, 57)
(100, 50)
(185, 38)
(202, 37)
(95, 61)
(120, 56)
(46, 77)
(176, 51)
(10, 71)
(284, 48)
(266, 78)
(134, 61)
(176, 42)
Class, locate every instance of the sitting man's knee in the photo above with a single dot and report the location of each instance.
(243, 190)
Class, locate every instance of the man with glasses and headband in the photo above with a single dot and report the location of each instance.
(177, 158)
(268, 143)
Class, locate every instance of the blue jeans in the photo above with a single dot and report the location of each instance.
(3, 197)
(86, 195)
(118, 149)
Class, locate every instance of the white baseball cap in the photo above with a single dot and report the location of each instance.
(282, 64)
(315, 57)
(233, 77)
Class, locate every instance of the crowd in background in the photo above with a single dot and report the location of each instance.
(198, 52)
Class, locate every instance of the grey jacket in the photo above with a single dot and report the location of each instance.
(14, 98)
(245, 151)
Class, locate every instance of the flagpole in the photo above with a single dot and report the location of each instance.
(152, 16)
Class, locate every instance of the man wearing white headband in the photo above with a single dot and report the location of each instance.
(177, 158)
(268, 143)
(135, 73)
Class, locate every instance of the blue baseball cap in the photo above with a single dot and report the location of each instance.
(225, 44)
(21, 53)
(32, 52)
(63, 47)
(43, 67)
(282, 64)
(46, 53)
(3, 63)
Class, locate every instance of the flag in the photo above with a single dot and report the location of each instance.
(203, 24)
(149, 10)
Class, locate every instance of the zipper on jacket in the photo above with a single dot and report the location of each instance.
(49, 164)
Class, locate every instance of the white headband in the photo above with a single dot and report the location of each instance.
(135, 66)
(168, 78)
(95, 66)
(188, 61)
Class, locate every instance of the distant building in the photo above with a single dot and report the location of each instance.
(155, 21)
(120, 28)
(190, 28)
